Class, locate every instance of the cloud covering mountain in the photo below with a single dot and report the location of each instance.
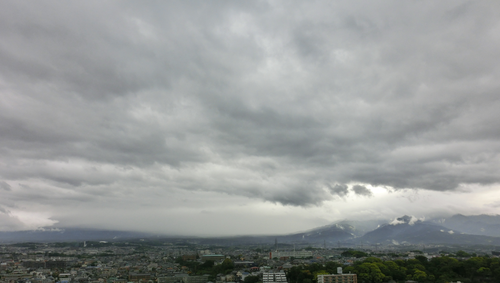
(166, 116)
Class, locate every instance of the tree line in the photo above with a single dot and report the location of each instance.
(374, 270)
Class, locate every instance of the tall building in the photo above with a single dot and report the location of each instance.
(338, 278)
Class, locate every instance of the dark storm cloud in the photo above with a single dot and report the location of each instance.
(273, 101)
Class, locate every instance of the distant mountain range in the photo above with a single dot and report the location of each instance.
(342, 231)
(486, 225)
(457, 229)
(412, 231)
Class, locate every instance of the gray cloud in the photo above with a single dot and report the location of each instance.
(252, 100)
(9, 222)
(5, 186)
(361, 191)
(339, 189)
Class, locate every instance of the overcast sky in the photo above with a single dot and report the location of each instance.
(246, 117)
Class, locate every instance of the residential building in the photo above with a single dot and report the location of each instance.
(269, 277)
(338, 278)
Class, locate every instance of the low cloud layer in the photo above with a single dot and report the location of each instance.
(287, 103)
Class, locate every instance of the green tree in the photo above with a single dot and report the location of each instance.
(353, 253)
(370, 272)
(372, 259)
(422, 259)
(462, 254)
(293, 274)
(207, 264)
(484, 272)
(315, 267)
(297, 274)
(331, 267)
(419, 275)
(251, 279)
(395, 271)
(319, 272)
(472, 265)
(445, 268)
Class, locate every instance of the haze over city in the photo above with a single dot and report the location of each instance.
(255, 117)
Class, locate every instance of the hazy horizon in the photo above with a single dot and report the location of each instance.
(358, 224)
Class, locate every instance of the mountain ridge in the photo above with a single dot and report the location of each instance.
(401, 230)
